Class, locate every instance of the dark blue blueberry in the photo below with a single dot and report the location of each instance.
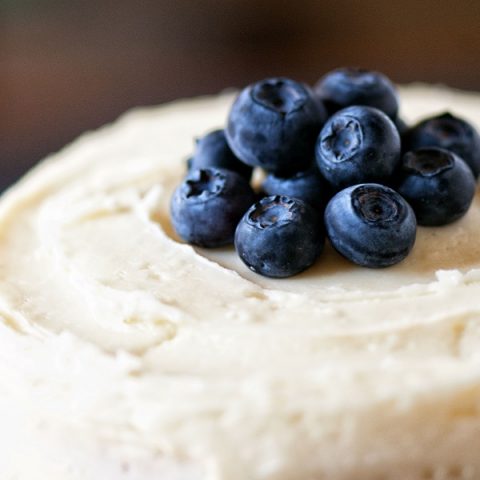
(450, 133)
(358, 145)
(212, 150)
(345, 87)
(438, 185)
(279, 236)
(371, 225)
(207, 205)
(307, 185)
(274, 123)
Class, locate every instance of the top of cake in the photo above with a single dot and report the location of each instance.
(250, 376)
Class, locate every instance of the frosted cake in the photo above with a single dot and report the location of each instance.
(127, 354)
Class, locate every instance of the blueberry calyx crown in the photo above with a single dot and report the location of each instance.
(376, 204)
(203, 184)
(428, 162)
(280, 95)
(272, 211)
(343, 140)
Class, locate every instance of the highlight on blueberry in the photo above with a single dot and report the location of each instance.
(279, 236)
(206, 207)
(212, 150)
(438, 184)
(345, 87)
(370, 225)
(357, 145)
(274, 123)
(307, 185)
(450, 133)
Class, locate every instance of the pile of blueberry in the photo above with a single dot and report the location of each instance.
(338, 162)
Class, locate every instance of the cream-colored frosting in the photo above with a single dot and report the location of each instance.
(134, 354)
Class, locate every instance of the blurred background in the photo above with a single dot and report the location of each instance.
(69, 66)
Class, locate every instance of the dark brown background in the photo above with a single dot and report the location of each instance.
(68, 66)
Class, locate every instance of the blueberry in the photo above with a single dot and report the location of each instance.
(279, 236)
(371, 225)
(357, 145)
(212, 150)
(345, 87)
(450, 133)
(438, 185)
(274, 123)
(307, 185)
(207, 205)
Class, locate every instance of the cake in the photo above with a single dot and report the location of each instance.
(127, 354)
